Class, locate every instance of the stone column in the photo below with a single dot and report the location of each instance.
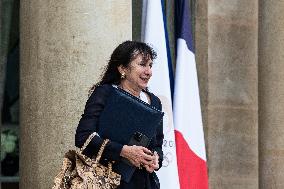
(201, 56)
(64, 45)
(271, 94)
(233, 94)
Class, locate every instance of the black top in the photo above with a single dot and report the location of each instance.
(89, 124)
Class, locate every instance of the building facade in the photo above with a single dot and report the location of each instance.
(64, 46)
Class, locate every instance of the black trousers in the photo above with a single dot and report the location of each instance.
(139, 180)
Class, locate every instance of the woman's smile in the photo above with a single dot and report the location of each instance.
(137, 74)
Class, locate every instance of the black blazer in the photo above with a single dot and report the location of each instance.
(89, 123)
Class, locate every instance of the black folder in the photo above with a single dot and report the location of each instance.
(124, 115)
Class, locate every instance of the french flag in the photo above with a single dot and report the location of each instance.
(190, 145)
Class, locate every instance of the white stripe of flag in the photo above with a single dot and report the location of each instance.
(154, 34)
(191, 156)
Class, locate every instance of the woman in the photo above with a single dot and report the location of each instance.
(129, 68)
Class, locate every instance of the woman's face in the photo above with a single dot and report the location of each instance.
(138, 72)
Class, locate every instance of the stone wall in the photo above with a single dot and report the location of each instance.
(232, 120)
(239, 60)
(64, 46)
(271, 94)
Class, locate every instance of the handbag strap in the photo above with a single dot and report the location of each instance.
(88, 141)
(99, 155)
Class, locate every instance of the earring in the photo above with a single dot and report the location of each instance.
(122, 76)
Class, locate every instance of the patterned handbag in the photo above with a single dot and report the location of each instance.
(81, 172)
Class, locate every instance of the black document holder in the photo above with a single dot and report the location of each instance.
(124, 115)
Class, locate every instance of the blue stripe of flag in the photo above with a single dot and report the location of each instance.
(170, 65)
(183, 23)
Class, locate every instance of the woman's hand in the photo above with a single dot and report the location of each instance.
(138, 155)
(154, 164)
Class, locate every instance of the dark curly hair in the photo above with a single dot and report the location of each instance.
(123, 55)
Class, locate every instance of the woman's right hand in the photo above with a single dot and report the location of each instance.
(137, 155)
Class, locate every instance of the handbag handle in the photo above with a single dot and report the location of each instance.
(99, 155)
(88, 141)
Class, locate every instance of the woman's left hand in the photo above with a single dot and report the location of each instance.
(155, 164)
